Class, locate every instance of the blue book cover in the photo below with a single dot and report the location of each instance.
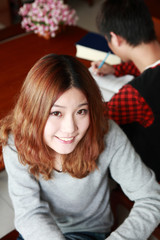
(94, 41)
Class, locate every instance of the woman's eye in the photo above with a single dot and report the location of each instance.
(56, 113)
(83, 112)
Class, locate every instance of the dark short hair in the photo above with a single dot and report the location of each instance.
(129, 19)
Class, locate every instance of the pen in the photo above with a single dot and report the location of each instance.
(101, 64)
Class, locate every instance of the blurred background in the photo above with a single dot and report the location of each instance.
(86, 10)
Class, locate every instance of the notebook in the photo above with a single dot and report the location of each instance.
(110, 84)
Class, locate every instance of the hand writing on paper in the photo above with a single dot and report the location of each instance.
(104, 70)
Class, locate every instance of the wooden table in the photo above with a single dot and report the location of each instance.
(18, 55)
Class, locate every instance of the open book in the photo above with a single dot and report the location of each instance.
(94, 47)
(109, 84)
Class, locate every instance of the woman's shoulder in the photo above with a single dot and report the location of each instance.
(112, 124)
(114, 129)
(115, 141)
(10, 155)
(115, 137)
(11, 143)
(9, 149)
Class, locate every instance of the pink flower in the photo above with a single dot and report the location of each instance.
(46, 15)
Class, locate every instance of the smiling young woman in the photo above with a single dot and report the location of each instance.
(42, 90)
(58, 148)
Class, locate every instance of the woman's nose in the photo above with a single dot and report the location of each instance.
(69, 125)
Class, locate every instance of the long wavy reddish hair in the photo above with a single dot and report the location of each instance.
(48, 78)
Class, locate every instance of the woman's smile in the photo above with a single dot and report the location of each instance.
(66, 140)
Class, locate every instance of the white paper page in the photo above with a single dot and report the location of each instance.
(110, 83)
(107, 95)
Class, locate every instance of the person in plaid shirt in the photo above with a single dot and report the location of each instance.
(128, 28)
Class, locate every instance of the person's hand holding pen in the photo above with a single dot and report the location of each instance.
(102, 68)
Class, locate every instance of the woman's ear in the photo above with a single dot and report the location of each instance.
(116, 40)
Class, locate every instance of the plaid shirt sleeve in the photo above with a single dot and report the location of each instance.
(126, 68)
(129, 106)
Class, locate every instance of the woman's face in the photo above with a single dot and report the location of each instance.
(68, 121)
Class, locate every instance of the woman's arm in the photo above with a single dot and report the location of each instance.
(32, 215)
(139, 184)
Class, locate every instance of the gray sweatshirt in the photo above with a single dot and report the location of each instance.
(44, 210)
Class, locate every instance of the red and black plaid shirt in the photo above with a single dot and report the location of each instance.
(128, 105)
(126, 68)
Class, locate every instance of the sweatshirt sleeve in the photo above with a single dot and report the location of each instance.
(32, 215)
(139, 184)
